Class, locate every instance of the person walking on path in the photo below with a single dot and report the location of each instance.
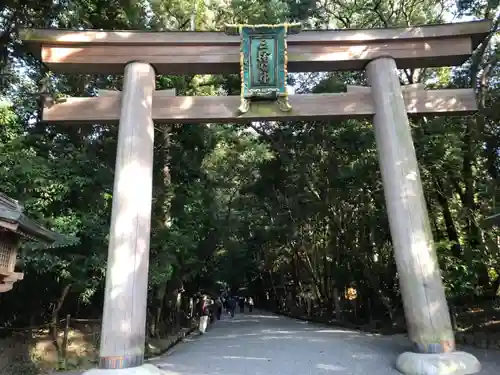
(231, 306)
(241, 303)
(250, 304)
(211, 310)
(218, 308)
(204, 313)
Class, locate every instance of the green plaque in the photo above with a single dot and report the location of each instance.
(263, 62)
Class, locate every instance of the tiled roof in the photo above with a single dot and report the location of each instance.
(12, 218)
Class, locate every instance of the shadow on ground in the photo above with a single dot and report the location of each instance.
(266, 344)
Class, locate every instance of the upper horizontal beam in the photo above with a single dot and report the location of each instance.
(185, 38)
(215, 52)
(223, 109)
(157, 93)
(410, 87)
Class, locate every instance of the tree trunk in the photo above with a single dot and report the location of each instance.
(55, 317)
(451, 230)
(338, 308)
(161, 291)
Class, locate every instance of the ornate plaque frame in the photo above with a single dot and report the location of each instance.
(263, 62)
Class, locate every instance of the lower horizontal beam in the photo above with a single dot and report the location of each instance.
(224, 109)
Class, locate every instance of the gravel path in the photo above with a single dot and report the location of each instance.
(266, 344)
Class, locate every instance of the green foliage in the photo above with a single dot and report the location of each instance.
(295, 205)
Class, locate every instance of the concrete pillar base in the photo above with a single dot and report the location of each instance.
(146, 369)
(454, 363)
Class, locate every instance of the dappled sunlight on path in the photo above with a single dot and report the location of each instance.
(266, 344)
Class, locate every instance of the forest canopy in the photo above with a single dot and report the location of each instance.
(291, 209)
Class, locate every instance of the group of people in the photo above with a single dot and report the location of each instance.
(211, 309)
(231, 302)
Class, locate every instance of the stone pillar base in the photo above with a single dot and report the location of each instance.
(146, 369)
(454, 363)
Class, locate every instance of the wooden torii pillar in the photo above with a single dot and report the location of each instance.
(125, 302)
(426, 308)
(380, 52)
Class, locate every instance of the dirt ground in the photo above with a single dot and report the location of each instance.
(26, 353)
(34, 353)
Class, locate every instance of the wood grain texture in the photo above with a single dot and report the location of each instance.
(426, 309)
(112, 37)
(210, 52)
(223, 109)
(412, 87)
(157, 93)
(125, 295)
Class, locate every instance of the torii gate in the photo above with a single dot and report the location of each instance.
(141, 55)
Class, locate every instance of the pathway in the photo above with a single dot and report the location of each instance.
(266, 344)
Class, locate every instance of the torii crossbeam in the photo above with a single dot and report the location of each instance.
(223, 109)
(140, 55)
